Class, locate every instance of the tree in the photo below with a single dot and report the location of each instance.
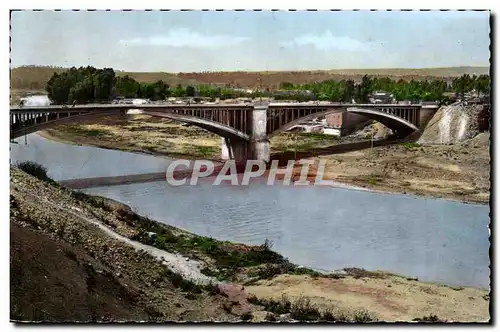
(80, 93)
(160, 90)
(190, 91)
(363, 89)
(178, 91)
(286, 86)
(83, 85)
(104, 80)
(482, 84)
(348, 91)
(58, 89)
(127, 87)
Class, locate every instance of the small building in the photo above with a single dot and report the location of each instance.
(334, 120)
(346, 121)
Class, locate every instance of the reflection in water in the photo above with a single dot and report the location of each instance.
(319, 227)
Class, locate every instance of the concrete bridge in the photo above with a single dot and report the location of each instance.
(245, 128)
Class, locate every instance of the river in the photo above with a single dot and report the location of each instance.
(318, 227)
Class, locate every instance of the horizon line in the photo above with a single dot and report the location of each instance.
(260, 71)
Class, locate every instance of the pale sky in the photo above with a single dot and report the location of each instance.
(194, 41)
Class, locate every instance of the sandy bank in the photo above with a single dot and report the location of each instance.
(390, 298)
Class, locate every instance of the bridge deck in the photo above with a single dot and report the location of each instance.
(233, 121)
(66, 108)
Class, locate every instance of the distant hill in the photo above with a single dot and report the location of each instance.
(35, 77)
(171, 79)
(32, 77)
(274, 78)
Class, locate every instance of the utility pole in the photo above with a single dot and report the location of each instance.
(260, 88)
(372, 139)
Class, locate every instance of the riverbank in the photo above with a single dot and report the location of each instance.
(459, 172)
(72, 224)
(163, 137)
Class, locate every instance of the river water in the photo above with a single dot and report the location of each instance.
(319, 227)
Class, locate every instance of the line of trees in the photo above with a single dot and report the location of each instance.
(434, 90)
(88, 84)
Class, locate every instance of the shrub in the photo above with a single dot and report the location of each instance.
(37, 170)
(363, 316)
(410, 145)
(304, 310)
(429, 319)
(96, 201)
(267, 245)
(279, 307)
(179, 282)
(269, 270)
(246, 316)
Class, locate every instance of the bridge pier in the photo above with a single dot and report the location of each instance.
(259, 143)
(234, 150)
(425, 115)
(257, 148)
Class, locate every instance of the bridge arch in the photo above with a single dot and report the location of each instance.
(212, 126)
(391, 121)
(217, 128)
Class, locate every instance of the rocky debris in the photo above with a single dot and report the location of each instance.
(479, 141)
(378, 130)
(233, 292)
(285, 318)
(261, 316)
(452, 124)
(236, 300)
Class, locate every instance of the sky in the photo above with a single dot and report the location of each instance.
(194, 41)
